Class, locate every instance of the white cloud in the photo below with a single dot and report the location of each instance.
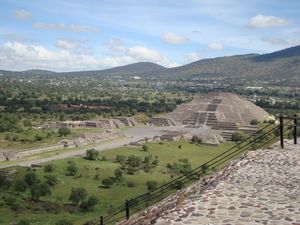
(20, 56)
(192, 57)
(280, 41)
(175, 39)
(261, 21)
(67, 44)
(22, 14)
(62, 26)
(215, 46)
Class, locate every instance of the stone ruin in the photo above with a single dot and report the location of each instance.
(100, 123)
(220, 111)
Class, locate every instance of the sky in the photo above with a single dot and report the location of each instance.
(72, 35)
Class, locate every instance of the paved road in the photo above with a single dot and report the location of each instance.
(132, 134)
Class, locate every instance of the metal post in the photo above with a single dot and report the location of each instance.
(295, 129)
(101, 220)
(281, 131)
(127, 209)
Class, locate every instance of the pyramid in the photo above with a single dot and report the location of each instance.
(215, 109)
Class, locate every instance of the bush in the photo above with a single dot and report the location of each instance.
(49, 168)
(118, 174)
(196, 140)
(131, 184)
(254, 122)
(92, 154)
(108, 182)
(31, 178)
(64, 131)
(90, 204)
(151, 185)
(121, 158)
(51, 179)
(77, 195)
(23, 222)
(64, 222)
(20, 186)
(72, 169)
(238, 136)
(178, 185)
(145, 148)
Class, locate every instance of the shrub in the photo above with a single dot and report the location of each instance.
(178, 185)
(20, 186)
(31, 178)
(72, 169)
(77, 195)
(131, 184)
(64, 222)
(254, 122)
(238, 136)
(108, 182)
(49, 168)
(118, 174)
(90, 204)
(151, 185)
(64, 131)
(145, 148)
(51, 179)
(120, 158)
(23, 222)
(196, 140)
(92, 154)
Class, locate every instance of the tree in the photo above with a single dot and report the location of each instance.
(107, 182)
(20, 186)
(51, 179)
(118, 174)
(120, 158)
(64, 131)
(92, 154)
(64, 222)
(151, 185)
(39, 190)
(145, 147)
(49, 168)
(238, 136)
(90, 204)
(77, 195)
(23, 222)
(31, 179)
(72, 169)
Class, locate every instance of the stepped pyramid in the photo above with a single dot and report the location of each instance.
(220, 111)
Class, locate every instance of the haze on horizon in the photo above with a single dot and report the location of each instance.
(84, 35)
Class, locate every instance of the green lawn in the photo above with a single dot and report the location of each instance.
(168, 152)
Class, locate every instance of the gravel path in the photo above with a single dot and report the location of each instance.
(265, 189)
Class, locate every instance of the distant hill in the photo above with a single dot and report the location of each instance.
(277, 65)
(131, 69)
(280, 64)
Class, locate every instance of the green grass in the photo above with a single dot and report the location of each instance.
(49, 137)
(168, 152)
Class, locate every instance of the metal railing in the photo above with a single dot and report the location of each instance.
(262, 138)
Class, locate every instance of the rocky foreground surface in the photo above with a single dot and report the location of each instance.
(261, 188)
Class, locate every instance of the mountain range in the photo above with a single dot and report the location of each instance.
(276, 65)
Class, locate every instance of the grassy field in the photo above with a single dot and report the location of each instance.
(167, 152)
(49, 137)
